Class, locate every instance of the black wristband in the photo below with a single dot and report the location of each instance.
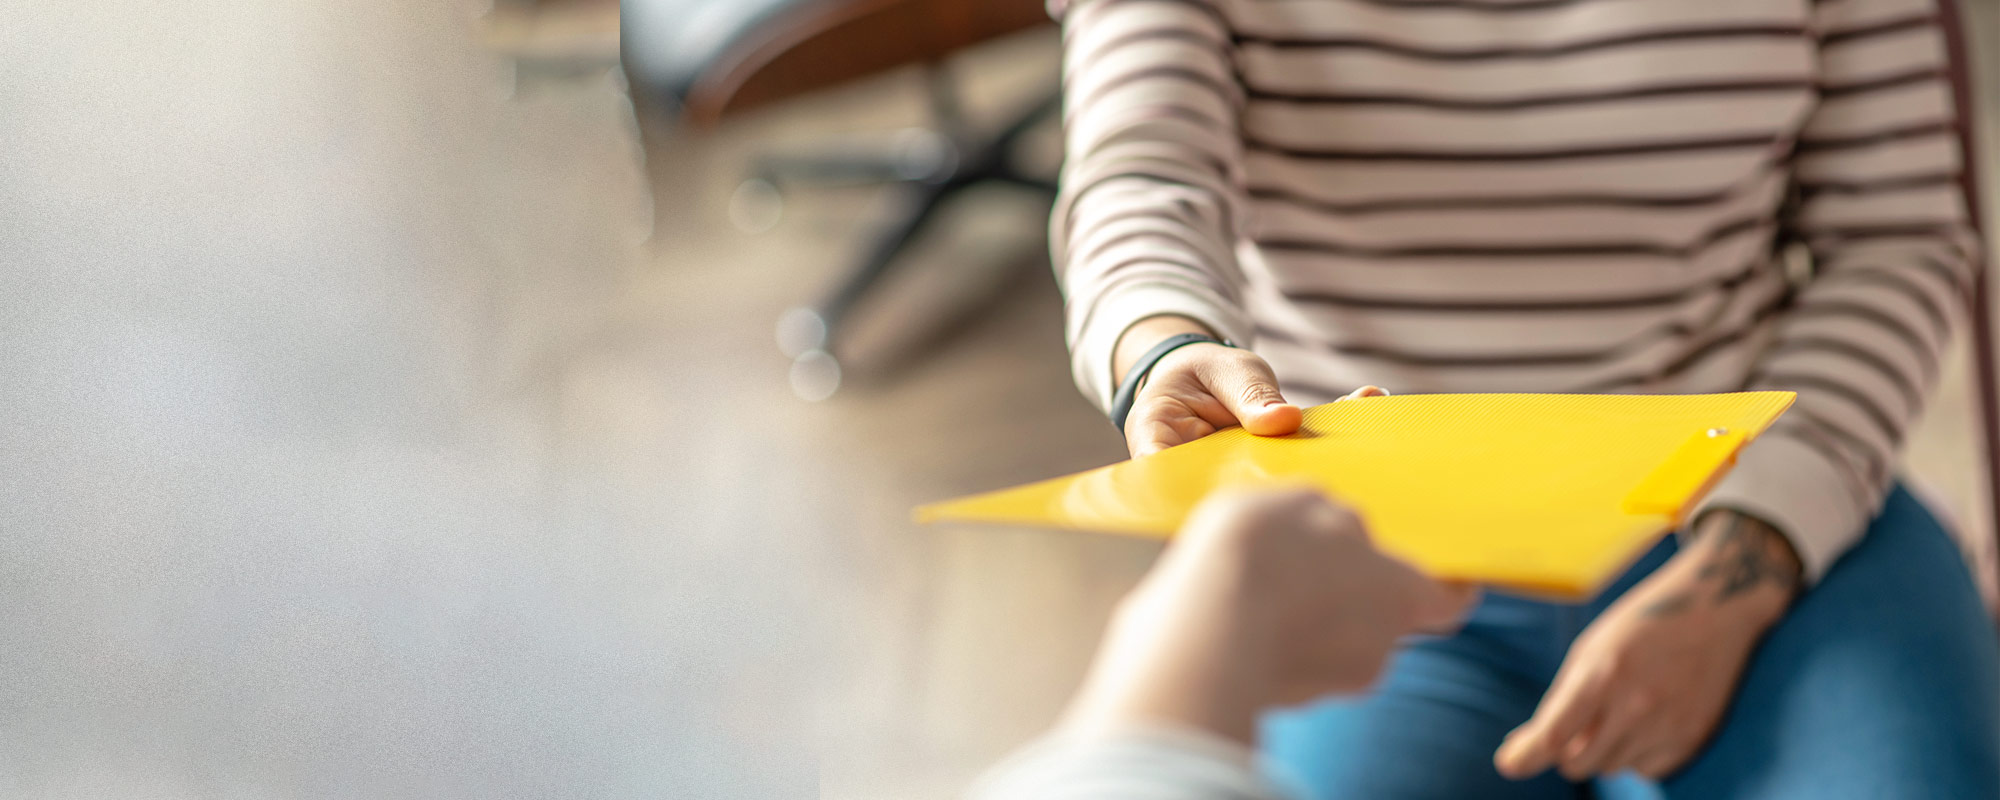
(1128, 389)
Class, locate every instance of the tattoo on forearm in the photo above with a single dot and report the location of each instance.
(1741, 560)
(1670, 605)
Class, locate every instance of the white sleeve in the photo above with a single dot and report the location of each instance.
(1132, 764)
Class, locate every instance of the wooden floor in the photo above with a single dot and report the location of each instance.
(360, 444)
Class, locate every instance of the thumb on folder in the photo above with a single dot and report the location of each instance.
(1199, 389)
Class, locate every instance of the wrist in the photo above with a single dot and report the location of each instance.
(1148, 332)
(1751, 610)
(1741, 566)
(1186, 654)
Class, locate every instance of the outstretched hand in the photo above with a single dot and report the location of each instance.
(1267, 597)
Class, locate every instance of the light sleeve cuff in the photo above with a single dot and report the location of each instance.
(1798, 491)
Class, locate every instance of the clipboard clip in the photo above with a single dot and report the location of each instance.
(1680, 481)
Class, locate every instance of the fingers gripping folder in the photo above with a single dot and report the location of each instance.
(1544, 493)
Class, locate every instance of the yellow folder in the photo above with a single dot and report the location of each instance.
(1548, 494)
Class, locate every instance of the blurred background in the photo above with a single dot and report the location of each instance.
(413, 399)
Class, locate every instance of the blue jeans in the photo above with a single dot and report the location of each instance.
(1882, 682)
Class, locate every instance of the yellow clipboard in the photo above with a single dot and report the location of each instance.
(1548, 494)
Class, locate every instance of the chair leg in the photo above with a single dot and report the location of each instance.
(809, 334)
(912, 155)
(651, 129)
(814, 330)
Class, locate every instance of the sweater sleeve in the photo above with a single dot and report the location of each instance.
(1146, 220)
(1881, 211)
(1132, 764)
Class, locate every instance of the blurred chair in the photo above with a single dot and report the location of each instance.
(1965, 89)
(694, 63)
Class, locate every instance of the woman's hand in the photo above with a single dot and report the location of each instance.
(1266, 598)
(1645, 685)
(1201, 388)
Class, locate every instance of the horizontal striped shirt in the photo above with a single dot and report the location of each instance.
(1657, 196)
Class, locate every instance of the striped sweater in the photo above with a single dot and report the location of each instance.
(1536, 195)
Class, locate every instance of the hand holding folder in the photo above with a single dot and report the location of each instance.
(1543, 493)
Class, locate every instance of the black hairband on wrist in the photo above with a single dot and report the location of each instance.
(1128, 389)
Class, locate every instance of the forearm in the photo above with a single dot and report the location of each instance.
(1734, 564)
(1894, 255)
(1147, 217)
(1198, 664)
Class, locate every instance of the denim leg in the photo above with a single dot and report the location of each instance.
(1430, 728)
(1883, 681)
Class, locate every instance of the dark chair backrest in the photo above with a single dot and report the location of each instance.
(770, 50)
